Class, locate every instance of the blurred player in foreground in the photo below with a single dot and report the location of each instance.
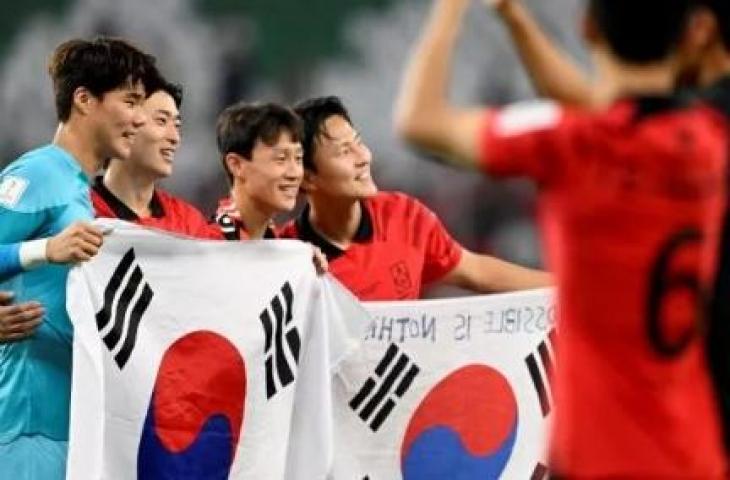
(631, 198)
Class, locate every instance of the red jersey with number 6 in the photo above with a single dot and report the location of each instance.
(630, 205)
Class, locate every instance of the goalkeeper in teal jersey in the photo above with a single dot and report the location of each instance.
(45, 208)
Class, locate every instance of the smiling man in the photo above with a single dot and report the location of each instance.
(128, 188)
(261, 150)
(381, 245)
(99, 88)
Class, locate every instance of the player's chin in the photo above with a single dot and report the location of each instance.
(285, 203)
(163, 171)
(368, 190)
(160, 165)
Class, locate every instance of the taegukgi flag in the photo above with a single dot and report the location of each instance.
(190, 356)
(448, 389)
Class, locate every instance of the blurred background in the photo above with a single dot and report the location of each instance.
(287, 50)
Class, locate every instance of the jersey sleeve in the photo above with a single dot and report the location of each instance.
(523, 139)
(442, 253)
(21, 218)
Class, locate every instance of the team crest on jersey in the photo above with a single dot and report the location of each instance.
(401, 277)
(11, 190)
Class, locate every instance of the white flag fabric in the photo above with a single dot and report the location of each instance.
(190, 356)
(448, 389)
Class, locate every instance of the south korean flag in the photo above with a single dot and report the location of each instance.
(189, 357)
(441, 389)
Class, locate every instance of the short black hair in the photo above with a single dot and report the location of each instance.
(314, 112)
(100, 65)
(161, 84)
(721, 10)
(241, 125)
(641, 31)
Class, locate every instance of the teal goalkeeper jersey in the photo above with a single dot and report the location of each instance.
(41, 193)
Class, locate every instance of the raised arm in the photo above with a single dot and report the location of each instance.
(553, 73)
(423, 114)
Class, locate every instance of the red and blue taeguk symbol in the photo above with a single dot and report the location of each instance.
(195, 416)
(464, 429)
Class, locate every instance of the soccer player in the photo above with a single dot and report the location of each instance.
(631, 195)
(381, 245)
(261, 150)
(705, 63)
(99, 87)
(128, 189)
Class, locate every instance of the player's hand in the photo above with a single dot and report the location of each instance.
(18, 321)
(320, 260)
(77, 243)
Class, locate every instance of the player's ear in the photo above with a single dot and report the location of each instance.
(83, 100)
(308, 185)
(236, 164)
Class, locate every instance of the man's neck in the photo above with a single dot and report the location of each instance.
(135, 191)
(336, 220)
(255, 218)
(618, 80)
(715, 67)
(72, 138)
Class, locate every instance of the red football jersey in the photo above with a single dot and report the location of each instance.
(400, 245)
(229, 226)
(168, 213)
(630, 202)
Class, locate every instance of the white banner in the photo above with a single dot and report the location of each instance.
(190, 356)
(448, 389)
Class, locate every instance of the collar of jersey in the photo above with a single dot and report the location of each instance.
(70, 162)
(649, 105)
(307, 233)
(718, 95)
(122, 211)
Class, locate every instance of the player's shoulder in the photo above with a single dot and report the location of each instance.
(391, 197)
(529, 116)
(684, 119)
(676, 109)
(396, 203)
(179, 205)
(36, 180)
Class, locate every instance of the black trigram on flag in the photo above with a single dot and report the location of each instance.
(540, 364)
(377, 397)
(282, 341)
(126, 298)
